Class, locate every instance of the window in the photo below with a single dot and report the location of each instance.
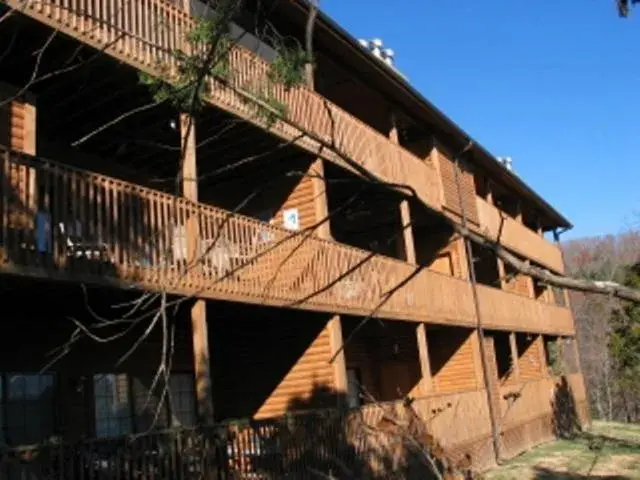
(112, 407)
(183, 407)
(124, 404)
(26, 408)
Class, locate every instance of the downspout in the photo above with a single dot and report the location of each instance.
(495, 429)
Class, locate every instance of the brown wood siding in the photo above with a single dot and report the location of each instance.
(17, 120)
(386, 358)
(518, 284)
(452, 359)
(492, 371)
(467, 188)
(267, 361)
(309, 376)
(302, 199)
(530, 357)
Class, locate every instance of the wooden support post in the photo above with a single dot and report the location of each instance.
(320, 198)
(393, 130)
(519, 211)
(339, 358)
(423, 352)
(490, 199)
(199, 330)
(405, 242)
(407, 232)
(478, 353)
(543, 356)
(502, 273)
(515, 362)
(334, 325)
(576, 353)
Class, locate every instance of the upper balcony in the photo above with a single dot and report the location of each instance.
(65, 223)
(145, 33)
(516, 236)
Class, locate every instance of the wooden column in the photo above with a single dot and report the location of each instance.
(502, 273)
(519, 211)
(338, 355)
(320, 197)
(425, 365)
(515, 363)
(407, 232)
(199, 330)
(543, 356)
(335, 324)
(406, 242)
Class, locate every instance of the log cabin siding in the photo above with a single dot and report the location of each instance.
(268, 361)
(311, 376)
(519, 284)
(17, 120)
(530, 356)
(450, 188)
(386, 359)
(301, 198)
(453, 360)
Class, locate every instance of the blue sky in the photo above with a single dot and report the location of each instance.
(553, 84)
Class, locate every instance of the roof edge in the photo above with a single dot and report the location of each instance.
(444, 122)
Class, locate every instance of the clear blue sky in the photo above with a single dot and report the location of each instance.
(553, 84)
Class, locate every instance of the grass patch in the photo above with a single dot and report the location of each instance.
(606, 451)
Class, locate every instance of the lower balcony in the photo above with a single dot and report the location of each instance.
(70, 224)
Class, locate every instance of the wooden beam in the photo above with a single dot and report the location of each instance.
(199, 328)
(515, 362)
(425, 365)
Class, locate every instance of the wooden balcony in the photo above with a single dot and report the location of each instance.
(511, 311)
(517, 237)
(146, 32)
(70, 224)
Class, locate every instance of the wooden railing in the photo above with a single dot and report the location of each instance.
(73, 222)
(360, 442)
(144, 33)
(512, 311)
(57, 220)
(537, 411)
(517, 237)
(377, 440)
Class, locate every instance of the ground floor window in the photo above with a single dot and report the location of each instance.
(26, 407)
(136, 403)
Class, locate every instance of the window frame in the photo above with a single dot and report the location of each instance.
(5, 391)
(134, 419)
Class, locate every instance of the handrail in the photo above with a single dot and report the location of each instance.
(137, 234)
(69, 220)
(146, 32)
(518, 237)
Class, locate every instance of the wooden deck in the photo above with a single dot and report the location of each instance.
(61, 222)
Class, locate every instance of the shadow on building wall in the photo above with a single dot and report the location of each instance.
(566, 423)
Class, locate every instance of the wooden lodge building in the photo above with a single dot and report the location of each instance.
(332, 226)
